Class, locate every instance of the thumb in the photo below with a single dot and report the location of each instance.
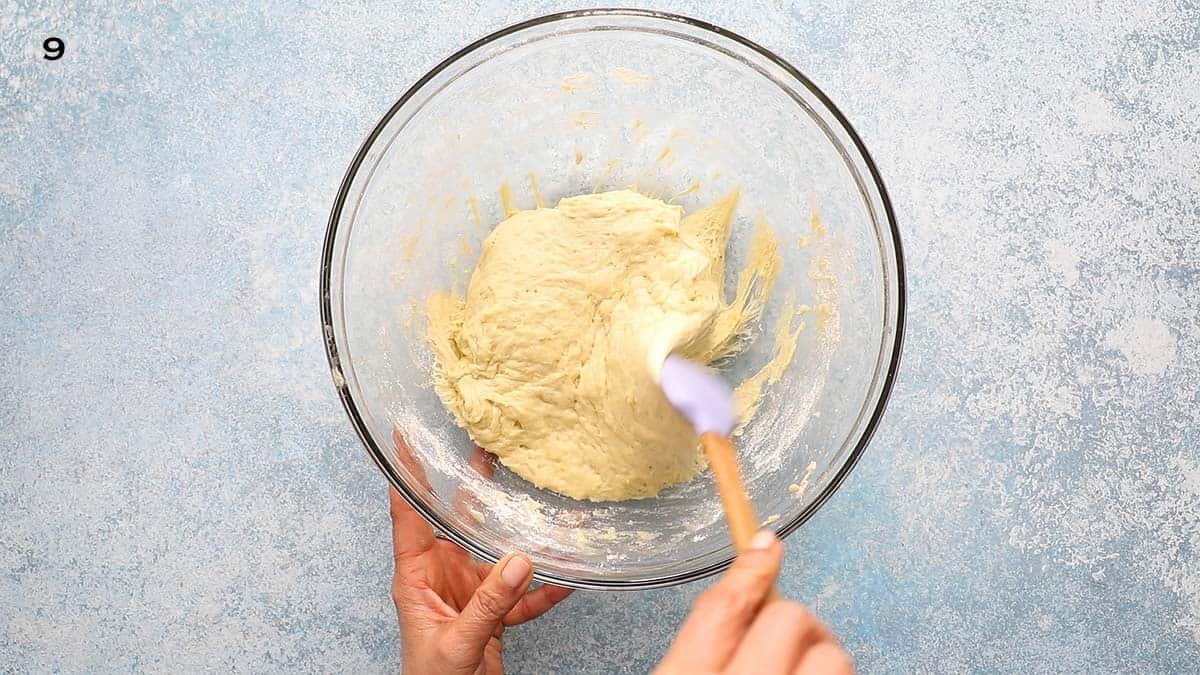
(721, 615)
(484, 614)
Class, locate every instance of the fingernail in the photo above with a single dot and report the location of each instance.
(515, 571)
(762, 541)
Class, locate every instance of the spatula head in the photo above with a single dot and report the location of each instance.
(699, 394)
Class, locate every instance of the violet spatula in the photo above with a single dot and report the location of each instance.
(707, 402)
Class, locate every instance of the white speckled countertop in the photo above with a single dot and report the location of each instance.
(181, 490)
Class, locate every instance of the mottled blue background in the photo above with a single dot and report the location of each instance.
(180, 489)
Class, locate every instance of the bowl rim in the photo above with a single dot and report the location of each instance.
(330, 337)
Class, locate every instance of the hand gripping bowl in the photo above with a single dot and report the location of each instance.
(599, 100)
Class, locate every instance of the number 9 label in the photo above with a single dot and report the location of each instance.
(54, 49)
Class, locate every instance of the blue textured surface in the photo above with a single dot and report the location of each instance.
(180, 488)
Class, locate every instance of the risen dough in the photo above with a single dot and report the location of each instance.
(551, 360)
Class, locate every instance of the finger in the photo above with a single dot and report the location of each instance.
(408, 459)
(780, 634)
(466, 503)
(483, 462)
(411, 534)
(468, 506)
(825, 658)
(536, 603)
(483, 616)
(722, 614)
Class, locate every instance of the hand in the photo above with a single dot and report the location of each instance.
(735, 628)
(452, 609)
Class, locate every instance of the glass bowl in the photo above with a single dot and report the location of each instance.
(591, 101)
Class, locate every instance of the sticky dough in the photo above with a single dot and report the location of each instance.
(551, 359)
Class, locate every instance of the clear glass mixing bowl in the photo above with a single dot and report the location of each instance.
(598, 100)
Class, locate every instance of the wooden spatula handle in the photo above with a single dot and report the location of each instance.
(738, 511)
(728, 477)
